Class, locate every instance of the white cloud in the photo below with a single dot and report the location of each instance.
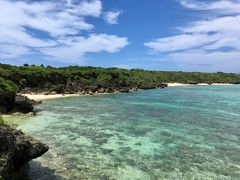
(124, 66)
(85, 8)
(217, 6)
(181, 42)
(52, 26)
(18, 36)
(210, 41)
(111, 17)
(203, 57)
(199, 60)
(226, 25)
(75, 48)
(8, 51)
(53, 18)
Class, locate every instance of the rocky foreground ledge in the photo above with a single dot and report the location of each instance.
(16, 149)
(10, 103)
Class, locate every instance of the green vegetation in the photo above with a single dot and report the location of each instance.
(74, 79)
(1, 122)
(8, 86)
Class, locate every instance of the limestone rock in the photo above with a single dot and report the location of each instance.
(16, 149)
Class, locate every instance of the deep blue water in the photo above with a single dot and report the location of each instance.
(173, 133)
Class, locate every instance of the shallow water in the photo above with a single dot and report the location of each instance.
(172, 133)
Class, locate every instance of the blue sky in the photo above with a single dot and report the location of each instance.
(176, 35)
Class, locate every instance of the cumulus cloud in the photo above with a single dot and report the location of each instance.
(181, 42)
(52, 26)
(219, 7)
(77, 47)
(111, 17)
(85, 8)
(205, 41)
(8, 51)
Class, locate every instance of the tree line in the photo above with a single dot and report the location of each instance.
(75, 78)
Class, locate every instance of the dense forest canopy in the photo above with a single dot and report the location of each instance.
(76, 78)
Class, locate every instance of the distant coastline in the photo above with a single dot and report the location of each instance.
(42, 97)
(20, 84)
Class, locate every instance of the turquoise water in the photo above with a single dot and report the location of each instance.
(173, 133)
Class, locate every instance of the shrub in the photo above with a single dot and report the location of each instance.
(1, 120)
(104, 77)
(8, 86)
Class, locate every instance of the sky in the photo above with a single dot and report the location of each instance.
(167, 35)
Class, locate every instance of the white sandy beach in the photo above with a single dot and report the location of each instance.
(40, 97)
(177, 84)
(222, 84)
(199, 84)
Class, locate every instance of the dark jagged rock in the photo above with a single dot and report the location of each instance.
(26, 90)
(193, 83)
(6, 101)
(10, 103)
(152, 86)
(16, 149)
(124, 90)
(23, 104)
(106, 86)
(236, 82)
(92, 88)
(163, 85)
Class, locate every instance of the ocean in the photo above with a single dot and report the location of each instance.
(190, 132)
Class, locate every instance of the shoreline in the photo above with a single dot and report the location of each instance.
(199, 84)
(42, 97)
(177, 84)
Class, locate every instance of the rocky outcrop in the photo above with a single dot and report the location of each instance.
(16, 149)
(152, 86)
(6, 101)
(10, 103)
(23, 104)
(236, 82)
(104, 87)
